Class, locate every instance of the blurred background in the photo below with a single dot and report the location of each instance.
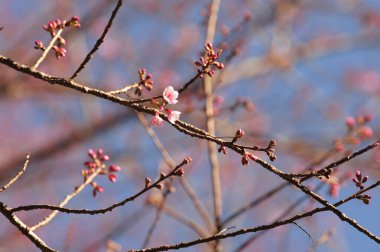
(302, 72)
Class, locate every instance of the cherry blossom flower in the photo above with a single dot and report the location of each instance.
(156, 120)
(173, 115)
(170, 95)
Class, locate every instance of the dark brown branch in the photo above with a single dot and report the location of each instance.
(99, 41)
(278, 188)
(24, 229)
(335, 164)
(104, 210)
(254, 229)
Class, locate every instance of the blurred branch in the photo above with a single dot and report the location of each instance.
(255, 229)
(210, 125)
(183, 182)
(15, 178)
(77, 190)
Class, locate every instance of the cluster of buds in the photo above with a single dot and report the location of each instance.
(365, 198)
(246, 157)
(170, 97)
(145, 80)
(205, 62)
(325, 173)
(97, 162)
(178, 171)
(359, 180)
(52, 27)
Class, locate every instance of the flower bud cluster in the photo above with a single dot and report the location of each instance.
(52, 27)
(145, 80)
(97, 162)
(359, 181)
(209, 60)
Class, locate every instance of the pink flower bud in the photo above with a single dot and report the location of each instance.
(91, 153)
(188, 160)
(244, 160)
(105, 158)
(114, 168)
(112, 177)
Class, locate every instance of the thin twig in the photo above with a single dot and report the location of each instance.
(48, 48)
(185, 220)
(15, 178)
(183, 182)
(284, 214)
(76, 191)
(280, 187)
(103, 210)
(99, 41)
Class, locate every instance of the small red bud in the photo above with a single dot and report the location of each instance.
(180, 172)
(365, 179)
(188, 160)
(112, 177)
(91, 153)
(114, 168)
(244, 160)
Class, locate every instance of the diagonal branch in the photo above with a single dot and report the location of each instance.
(14, 179)
(103, 210)
(99, 41)
(254, 229)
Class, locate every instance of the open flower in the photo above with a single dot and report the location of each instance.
(173, 115)
(170, 95)
(156, 120)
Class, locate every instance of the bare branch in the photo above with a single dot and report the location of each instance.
(24, 229)
(104, 210)
(17, 175)
(99, 41)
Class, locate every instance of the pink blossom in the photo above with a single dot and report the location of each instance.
(170, 95)
(156, 120)
(173, 115)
